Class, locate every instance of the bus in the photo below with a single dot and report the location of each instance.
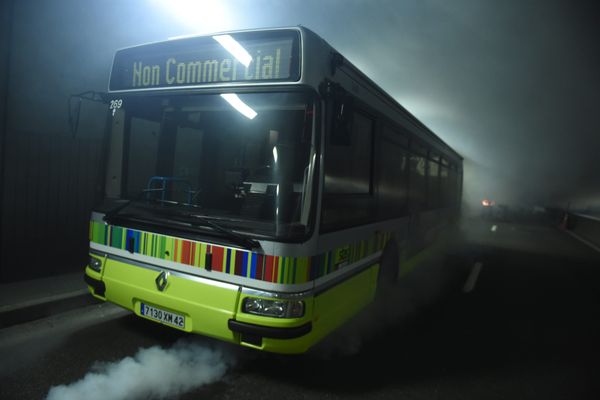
(260, 189)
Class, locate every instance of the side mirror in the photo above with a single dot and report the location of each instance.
(74, 107)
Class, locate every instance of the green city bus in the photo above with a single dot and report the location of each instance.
(260, 189)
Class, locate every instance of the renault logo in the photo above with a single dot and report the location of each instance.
(161, 280)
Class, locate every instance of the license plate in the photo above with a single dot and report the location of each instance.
(163, 316)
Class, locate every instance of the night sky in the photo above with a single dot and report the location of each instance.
(512, 85)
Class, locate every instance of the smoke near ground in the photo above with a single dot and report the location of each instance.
(414, 293)
(154, 372)
(351, 337)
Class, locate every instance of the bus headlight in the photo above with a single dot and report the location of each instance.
(273, 308)
(95, 264)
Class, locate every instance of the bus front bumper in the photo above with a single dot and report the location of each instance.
(255, 334)
(97, 287)
(213, 308)
(209, 308)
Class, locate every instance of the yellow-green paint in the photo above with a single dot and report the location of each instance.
(341, 302)
(330, 310)
(207, 308)
(407, 265)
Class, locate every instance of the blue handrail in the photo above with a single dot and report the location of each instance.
(163, 182)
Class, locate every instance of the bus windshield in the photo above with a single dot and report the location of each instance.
(240, 160)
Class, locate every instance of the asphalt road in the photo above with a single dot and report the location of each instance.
(519, 321)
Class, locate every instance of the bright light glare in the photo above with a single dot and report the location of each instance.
(199, 16)
(275, 153)
(236, 49)
(239, 105)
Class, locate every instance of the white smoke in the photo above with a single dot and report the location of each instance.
(414, 292)
(349, 339)
(151, 373)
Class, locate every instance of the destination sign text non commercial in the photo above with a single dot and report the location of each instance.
(204, 61)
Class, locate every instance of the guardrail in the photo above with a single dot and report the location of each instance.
(585, 228)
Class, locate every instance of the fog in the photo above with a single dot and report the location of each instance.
(512, 86)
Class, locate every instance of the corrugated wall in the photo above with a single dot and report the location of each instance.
(48, 176)
(50, 186)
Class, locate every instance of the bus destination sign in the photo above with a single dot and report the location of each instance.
(243, 57)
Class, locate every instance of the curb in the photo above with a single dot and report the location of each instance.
(45, 307)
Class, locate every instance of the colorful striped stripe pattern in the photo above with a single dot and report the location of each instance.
(275, 269)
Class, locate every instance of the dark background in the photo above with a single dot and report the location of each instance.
(513, 86)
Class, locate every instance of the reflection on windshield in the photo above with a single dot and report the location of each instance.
(239, 105)
(200, 151)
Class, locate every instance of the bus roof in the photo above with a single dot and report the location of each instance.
(268, 57)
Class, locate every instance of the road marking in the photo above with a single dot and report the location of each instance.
(494, 227)
(472, 279)
(582, 240)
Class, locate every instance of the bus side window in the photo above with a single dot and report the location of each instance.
(342, 121)
(393, 175)
(453, 184)
(348, 167)
(433, 184)
(418, 177)
(348, 186)
(444, 187)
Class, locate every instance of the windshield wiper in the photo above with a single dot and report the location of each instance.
(115, 211)
(175, 203)
(244, 241)
(184, 223)
(241, 240)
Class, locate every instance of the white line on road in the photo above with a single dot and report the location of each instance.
(582, 240)
(472, 279)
